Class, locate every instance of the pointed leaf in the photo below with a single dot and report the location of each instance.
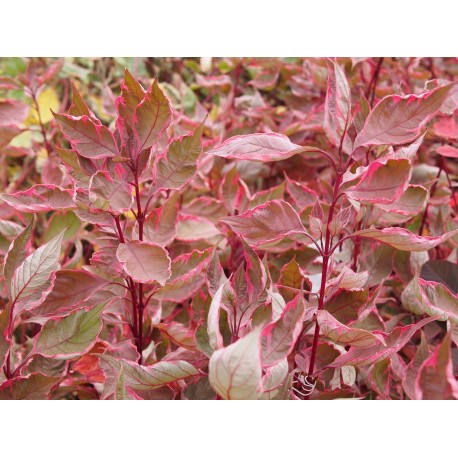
(343, 335)
(144, 378)
(394, 343)
(403, 239)
(33, 279)
(132, 93)
(17, 252)
(152, 117)
(267, 223)
(382, 183)
(278, 338)
(71, 290)
(160, 225)
(5, 341)
(337, 104)
(107, 193)
(40, 198)
(413, 368)
(290, 277)
(214, 334)
(177, 165)
(187, 276)
(260, 148)
(396, 120)
(87, 138)
(179, 334)
(436, 379)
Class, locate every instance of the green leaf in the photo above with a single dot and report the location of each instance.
(74, 335)
(33, 387)
(143, 378)
(33, 279)
(17, 253)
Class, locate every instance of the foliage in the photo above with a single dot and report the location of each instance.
(242, 228)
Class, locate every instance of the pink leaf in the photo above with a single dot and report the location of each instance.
(177, 165)
(403, 239)
(71, 291)
(152, 117)
(435, 379)
(160, 225)
(132, 93)
(40, 198)
(213, 81)
(34, 278)
(17, 252)
(259, 148)
(410, 203)
(344, 335)
(12, 112)
(438, 300)
(214, 334)
(187, 276)
(446, 127)
(5, 340)
(396, 120)
(378, 352)
(107, 193)
(278, 338)
(381, 183)
(337, 104)
(179, 334)
(145, 262)
(87, 138)
(267, 223)
(448, 151)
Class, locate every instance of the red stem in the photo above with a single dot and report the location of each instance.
(140, 219)
(324, 275)
(131, 283)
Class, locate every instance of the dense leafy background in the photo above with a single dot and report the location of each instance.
(231, 297)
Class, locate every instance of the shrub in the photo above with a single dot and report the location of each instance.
(297, 242)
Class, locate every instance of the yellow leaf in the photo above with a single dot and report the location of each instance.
(47, 100)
